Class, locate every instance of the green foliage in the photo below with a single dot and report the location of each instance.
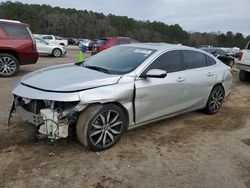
(45, 19)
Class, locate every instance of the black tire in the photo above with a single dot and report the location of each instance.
(243, 75)
(9, 65)
(92, 128)
(215, 100)
(57, 52)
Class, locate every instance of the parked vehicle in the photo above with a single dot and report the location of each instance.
(84, 42)
(44, 48)
(52, 39)
(221, 55)
(91, 44)
(105, 43)
(244, 63)
(17, 47)
(73, 41)
(121, 88)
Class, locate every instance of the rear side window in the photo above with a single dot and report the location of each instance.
(194, 59)
(210, 61)
(123, 41)
(170, 62)
(13, 30)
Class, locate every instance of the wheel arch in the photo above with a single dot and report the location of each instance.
(120, 105)
(56, 48)
(12, 52)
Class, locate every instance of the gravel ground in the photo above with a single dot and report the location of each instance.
(191, 150)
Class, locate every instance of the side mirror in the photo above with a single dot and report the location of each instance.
(155, 73)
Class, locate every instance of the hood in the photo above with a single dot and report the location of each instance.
(68, 78)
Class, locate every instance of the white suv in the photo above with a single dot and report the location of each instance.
(244, 63)
(52, 39)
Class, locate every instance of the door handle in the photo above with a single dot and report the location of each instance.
(180, 79)
(210, 74)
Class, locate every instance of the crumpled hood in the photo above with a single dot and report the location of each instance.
(68, 78)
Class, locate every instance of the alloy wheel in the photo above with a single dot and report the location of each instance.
(57, 53)
(106, 129)
(8, 66)
(217, 99)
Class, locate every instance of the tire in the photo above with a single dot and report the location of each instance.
(92, 128)
(243, 75)
(9, 65)
(215, 100)
(57, 52)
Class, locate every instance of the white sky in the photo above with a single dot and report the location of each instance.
(191, 15)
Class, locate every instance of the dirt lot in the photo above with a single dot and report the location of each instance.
(192, 150)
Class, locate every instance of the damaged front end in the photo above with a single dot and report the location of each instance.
(52, 118)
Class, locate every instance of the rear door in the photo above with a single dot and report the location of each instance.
(157, 97)
(200, 77)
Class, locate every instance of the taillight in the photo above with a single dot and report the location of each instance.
(33, 39)
(240, 56)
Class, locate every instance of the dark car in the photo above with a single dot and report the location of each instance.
(105, 43)
(91, 44)
(221, 55)
(17, 47)
(72, 41)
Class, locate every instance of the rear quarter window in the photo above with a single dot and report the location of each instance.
(210, 61)
(13, 30)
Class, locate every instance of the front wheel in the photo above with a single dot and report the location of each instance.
(215, 100)
(9, 65)
(99, 127)
(57, 52)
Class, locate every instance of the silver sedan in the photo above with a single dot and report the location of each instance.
(121, 88)
(44, 48)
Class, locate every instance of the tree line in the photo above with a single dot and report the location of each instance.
(45, 19)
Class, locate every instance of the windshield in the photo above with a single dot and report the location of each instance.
(119, 59)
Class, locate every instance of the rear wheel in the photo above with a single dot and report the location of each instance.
(243, 75)
(215, 100)
(9, 65)
(57, 52)
(99, 127)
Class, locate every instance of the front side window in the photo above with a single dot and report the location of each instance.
(14, 30)
(194, 59)
(41, 41)
(170, 62)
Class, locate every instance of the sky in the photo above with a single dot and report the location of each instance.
(191, 15)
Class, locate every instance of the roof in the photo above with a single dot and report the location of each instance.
(12, 21)
(159, 46)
